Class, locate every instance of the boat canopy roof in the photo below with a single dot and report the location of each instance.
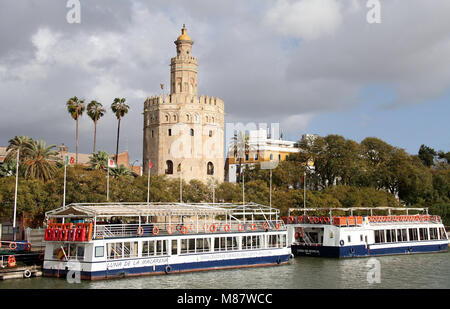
(352, 209)
(91, 210)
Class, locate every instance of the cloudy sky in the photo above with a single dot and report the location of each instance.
(314, 66)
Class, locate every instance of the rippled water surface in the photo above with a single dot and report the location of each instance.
(408, 271)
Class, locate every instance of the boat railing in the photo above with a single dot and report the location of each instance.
(108, 231)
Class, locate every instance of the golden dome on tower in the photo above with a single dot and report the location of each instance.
(184, 36)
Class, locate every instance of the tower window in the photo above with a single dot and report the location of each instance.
(279, 157)
(192, 132)
(210, 133)
(210, 168)
(170, 132)
(271, 156)
(169, 167)
(256, 157)
(152, 133)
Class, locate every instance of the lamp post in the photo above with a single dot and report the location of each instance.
(15, 195)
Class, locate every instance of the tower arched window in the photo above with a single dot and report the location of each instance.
(167, 118)
(210, 168)
(192, 132)
(169, 167)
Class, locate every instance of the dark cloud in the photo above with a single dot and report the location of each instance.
(265, 67)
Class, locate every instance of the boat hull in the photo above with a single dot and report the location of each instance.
(173, 268)
(365, 251)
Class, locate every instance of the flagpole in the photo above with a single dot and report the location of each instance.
(270, 195)
(304, 193)
(15, 195)
(148, 187)
(181, 187)
(107, 184)
(64, 193)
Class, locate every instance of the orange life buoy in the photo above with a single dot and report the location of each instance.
(253, 226)
(212, 228)
(265, 226)
(291, 219)
(27, 246)
(184, 229)
(277, 226)
(170, 229)
(11, 261)
(240, 227)
(327, 219)
(316, 220)
(226, 228)
(155, 230)
(13, 246)
(140, 231)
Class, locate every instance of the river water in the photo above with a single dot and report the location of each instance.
(401, 271)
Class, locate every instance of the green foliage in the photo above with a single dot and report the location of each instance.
(426, 154)
(99, 160)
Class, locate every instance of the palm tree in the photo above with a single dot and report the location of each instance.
(120, 109)
(40, 160)
(76, 107)
(120, 171)
(96, 111)
(16, 143)
(99, 160)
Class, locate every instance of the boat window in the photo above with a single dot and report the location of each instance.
(433, 233)
(390, 236)
(275, 241)
(99, 251)
(349, 238)
(191, 245)
(413, 234)
(401, 235)
(161, 247)
(114, 250)
(130, 249)
(183, 246)
(174, 247)
(232, 243)
(380, 236)
(443, 233)
(148, 248)
(361, 238)
(423, 233)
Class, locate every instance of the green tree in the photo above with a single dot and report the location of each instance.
(76, 107)
(40, 160)
(95, 111)
(17, 143)
(426, 154)
(99, 160)
(120, 171)
(120, 109)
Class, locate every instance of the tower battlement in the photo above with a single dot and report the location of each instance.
(154, 102)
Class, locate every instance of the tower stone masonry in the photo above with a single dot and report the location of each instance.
(184, 133)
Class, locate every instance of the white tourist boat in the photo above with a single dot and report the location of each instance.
(364, 235)
(111, 240)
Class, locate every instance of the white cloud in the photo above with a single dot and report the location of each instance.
(305, 19)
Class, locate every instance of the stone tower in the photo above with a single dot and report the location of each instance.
(184, 133)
